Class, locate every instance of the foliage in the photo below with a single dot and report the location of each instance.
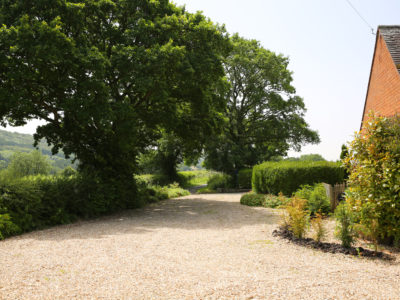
(7, 227)
(244, 178)
(220, 180)
(152, 179)
(194, 178)
(264, 117)
(40, 201)
(296, 218)
(317, 200)
(25, 164)
(374, 165)
(311, 157)
(306, 157)
(35, 202)
(12, 142)
(251, 199)
(206, 190)
(168, 155)
(288, 176)
(273, 201)
(344, 152)
(191, 165)
(147, 163)
(68, 171)
(109, 77)
(155, 193)
(304, 192)
(320, 231)
(345, 224)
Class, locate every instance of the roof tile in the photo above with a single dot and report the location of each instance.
(391, 34)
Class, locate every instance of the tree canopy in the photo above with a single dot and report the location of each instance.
(109, 76)
(264, 116)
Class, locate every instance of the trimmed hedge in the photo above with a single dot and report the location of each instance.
(244, 178)
(40, 201)
(288, 176)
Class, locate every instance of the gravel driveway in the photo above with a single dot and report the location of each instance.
(195, 247)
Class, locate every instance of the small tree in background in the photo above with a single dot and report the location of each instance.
(373, 161)
(25, 164)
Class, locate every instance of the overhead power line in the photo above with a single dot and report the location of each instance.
(362, 18)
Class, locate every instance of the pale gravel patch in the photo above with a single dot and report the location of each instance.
(195, 247)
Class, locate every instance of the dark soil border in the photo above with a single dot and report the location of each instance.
(284, 233)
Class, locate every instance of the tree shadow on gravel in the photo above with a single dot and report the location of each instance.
(184, 213)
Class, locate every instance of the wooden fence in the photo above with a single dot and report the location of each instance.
(334, 192)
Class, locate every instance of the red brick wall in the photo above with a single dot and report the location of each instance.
(384, 87)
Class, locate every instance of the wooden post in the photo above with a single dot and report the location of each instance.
(330, 194)
(333, 193)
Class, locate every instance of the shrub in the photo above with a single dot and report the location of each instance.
(317, 200)
(373, 161)
(244, 178)
(317, 224)
(304, 192)
(344, 224)
(273, 201)
(252, 199)
(220, 181)
(7, 227)
(288, 176)
(296, 218)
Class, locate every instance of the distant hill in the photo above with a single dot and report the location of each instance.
(11, 142)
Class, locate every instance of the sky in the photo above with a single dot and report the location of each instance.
(330, 50)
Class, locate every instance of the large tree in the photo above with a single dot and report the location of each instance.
(264, 116)
(109, 75)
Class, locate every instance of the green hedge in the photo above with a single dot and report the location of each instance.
(37, 202)
(288, 176)
(244, 178)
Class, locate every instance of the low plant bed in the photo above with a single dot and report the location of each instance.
(284, 233)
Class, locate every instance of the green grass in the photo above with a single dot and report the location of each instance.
(206, 190)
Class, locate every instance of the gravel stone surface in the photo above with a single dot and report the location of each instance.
(195, 247)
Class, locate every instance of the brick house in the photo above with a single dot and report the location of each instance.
(383, 95)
